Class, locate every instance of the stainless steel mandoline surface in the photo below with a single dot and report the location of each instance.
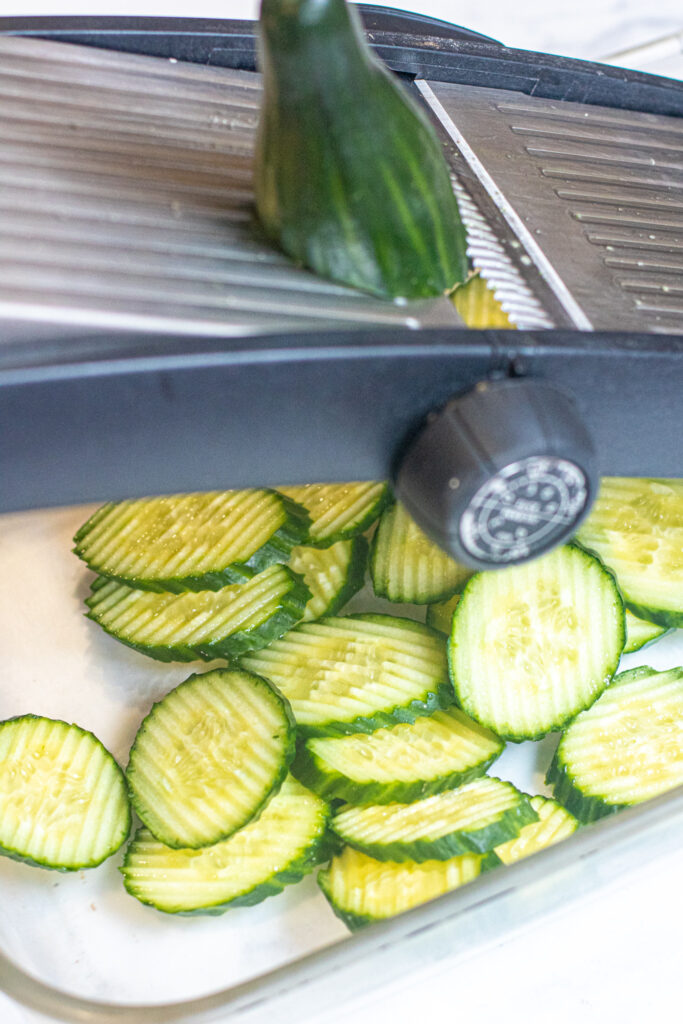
(125, 200)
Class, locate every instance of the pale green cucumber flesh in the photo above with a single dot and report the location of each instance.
(636, 528)
(626, 748)
(209, 624)
(534, 644)
(209, 756)
(407, 566)
(475, 818)
(283, 844)
(333, 575)
(440, 615)
(339, 511)
(407, 762)
(362, 890)
(641, 633)
(63, 798)
(554, 824)
(191, 541)
(357, 673)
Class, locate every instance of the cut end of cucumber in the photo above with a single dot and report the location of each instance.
(63, 799)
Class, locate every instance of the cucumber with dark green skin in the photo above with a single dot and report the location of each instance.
(339, 511)
(378, 210)
(408, 762)
(209, 756)
(640, 633)
(191, 541)
(356, 673)
(332, 574)
(63, 798)
(475, 818)
(626, 748)
(362, 890)
(282, 845)
(224, 623)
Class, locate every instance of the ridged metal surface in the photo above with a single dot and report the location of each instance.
(595, 196)
(126, 201)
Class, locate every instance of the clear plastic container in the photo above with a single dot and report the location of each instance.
(77, 947)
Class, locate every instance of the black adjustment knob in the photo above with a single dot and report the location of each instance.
(500, 474)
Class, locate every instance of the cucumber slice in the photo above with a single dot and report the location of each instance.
(624, 749)
(210, 624)
(474, 818)
(440, 615)
(357, 673)
(339, 511)
(636, 527)
(191, 541)
(278, 849)
(362, 890)
(640, 633)
(478, 306)
(554, 823)
(63, 799)
(534, 644)
(406, 566)
(407, 762)
(333, 575)
(209, 756)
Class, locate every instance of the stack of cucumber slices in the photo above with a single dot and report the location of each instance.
(364, 740)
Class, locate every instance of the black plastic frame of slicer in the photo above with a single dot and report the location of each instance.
(113, 415)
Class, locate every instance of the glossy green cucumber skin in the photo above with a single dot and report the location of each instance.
(586, 808)
(276, 549)
(355, 576)
(661, 617)
(357, 529)
(230, 647)
(378, 212)
(482, 840)
(332, 785)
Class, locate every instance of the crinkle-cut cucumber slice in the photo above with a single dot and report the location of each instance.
(407, 762)
(624, 749)
(191, 541)
(206, 624)
(279, 848)
(641, 633)
(440, 615)
(477, 304)
(407, 566)
(339, 511)
(63, 798)
(333, 575)
(474, 818)
(534, 644)
(357, 673)
(209, 756)
(636, 527)
(554, 823)
(362, 890)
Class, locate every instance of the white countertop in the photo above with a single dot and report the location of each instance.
(613, 958)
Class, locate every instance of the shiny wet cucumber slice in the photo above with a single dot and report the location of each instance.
(333, 575)
(63, 798)
(407, 566)
(362, 890)
(554, 823)
(406, 762)
(474, 818)
(534, 644)
(207, 624)
(209, 756)
(641, 633)
(636, 527)
(191, 541)
(626, 748)
(339, 511)
(285, 843)
(357, 673)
